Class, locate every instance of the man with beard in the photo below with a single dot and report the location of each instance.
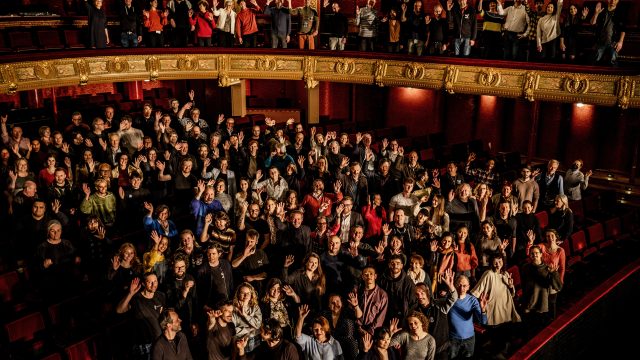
(319, 202)
(181, 292)
(172, 344)
(203, 204)
(221, 332)
(400, 289)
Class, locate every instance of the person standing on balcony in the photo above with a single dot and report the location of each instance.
(463, 18)
(438, 27)
(548, 32)
(154, 21)
(98, 33)
(417, 25)
(367, 20)
(130, 26)
(610, 31)
(280, 24)
(336, 24)
(226, 22)
(203, 24)
(308, 20)
(491, 30)
(246, 25)
(516, 19)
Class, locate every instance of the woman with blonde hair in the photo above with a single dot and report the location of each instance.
(125, 266)
(247, 316)
(561, 217)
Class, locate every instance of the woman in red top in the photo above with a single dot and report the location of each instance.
(466, 253)
(554, 256)
(154, 21)
(202, 23)
(374, 214)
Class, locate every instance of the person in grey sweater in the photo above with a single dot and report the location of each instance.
(416, 343)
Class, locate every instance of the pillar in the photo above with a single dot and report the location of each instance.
(239, 98)
(313, 105)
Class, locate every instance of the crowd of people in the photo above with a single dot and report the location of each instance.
(521, 31)
(281, 241)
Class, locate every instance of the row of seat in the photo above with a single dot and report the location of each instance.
(51, 39)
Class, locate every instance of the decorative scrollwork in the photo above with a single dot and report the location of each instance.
(187, 63)
(530, 84)
(413, 71)
(223, 73)
(153, 67)
(266, 63)
(379, 71)
(345, 66)
(117, 65)
(489, 77)
(576, 84)
(82, 68)
(450, 77)
(625, 87)
(45, 70)
(307, 73)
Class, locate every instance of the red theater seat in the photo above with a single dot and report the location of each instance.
(86, 349)
(543, 219)
(49, 39)
(73, 39)
(26, 328)
(596, 236)
(579, 245)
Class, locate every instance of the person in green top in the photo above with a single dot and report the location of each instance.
(308, 20)
(101, 203)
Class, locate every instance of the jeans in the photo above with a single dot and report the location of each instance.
(462, 46)
(461, 347)
(511, 45)
(129, 39)
(415, 45)
(204, 41)
(278, 40)
(435, 48)
(607, 52)
(336, 43)
(366, 43)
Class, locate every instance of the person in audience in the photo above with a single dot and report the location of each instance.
(610, 32)
(179, 20)
(548, 32)
(506, 195)
(308, 282)
(399, 287)
(55, 260)
(274, 344)
(506, 227)
(516, 19)
(555, 257)
(438, 29)
(465, 310)
(488, 245)
(527, 189)
(16, 141)
(203, 23)
(381, 350)
(214, 279)
(406, 201)
(180, 290)
(463, 209)
(221, 331)
(571, 25)
(561, 217)
(491, 30)
(155, 20)
(489, 175)
(173, 343)
(416, 25)
(280, 24)
(367, 21)
(308, 22)
(146, 305)
(101, 203)
(482, 194)
(130, 24)
(247, 316)
(416, 343)
(530, 36)
(463, 18)
(466, 253)
(342, 326)
(98, 32)
(335, 24)
(538, 279)
(321, 345)
(246, 24)
(226, 23)
(575, 181)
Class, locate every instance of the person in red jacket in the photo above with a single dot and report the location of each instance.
(246, 25)
(202, 23)
(154, 21)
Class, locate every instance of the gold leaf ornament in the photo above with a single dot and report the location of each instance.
(489, 77)
(413, 71)
(576, 84)
(345, 66)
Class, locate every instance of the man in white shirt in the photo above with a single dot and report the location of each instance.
(515, 23)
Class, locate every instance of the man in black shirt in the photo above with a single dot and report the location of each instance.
(610, 31)
(130, 26)
(214, 279)
(172, 344)
(221, 332)
(336, 24)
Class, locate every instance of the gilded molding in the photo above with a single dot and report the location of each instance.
(489, 77)
(530, 84)
(307, 74)
(624, 89)
(228, 69)
(576, 84)
(450, 77)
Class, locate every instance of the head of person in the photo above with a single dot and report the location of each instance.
(462, 285)
(417, 322)
(213, 255)
(101, 186)
(437, 11)
(296, 217)
(551, 237)
(525, 172)
(127, 252)
(552, 166)
(561, 202)
(417, 7)
(226, 308)
(493, 5)
(38, 209)
(355, 169)
(446, 241)
(271, 332)
(497, 262)
(321, 329)
(452, 168)
(539, 5)
(396, 263)
(527, 207)
(169, 319)
(488, 229)
(246, 295)
(371, 4)
(464, 191)
(150, 282)
(535, 254)
(504, 209)
(399, 217)
(462, 234)
(369, 277)
(423, 294)
(187, 240)
(333, 245)
(186, 165)
(203, 5)
(179, 267)
(60, 176)
(335, 303)
(407, 186)
(357, 233)
(54, 230)
(382, 338)
(273, 290)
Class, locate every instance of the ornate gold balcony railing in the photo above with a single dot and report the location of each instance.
(559, 83)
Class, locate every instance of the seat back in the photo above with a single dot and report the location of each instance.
(26, 328)
(613, 228)
(49, 39)
(543, 219)
(73, 39)
(21, 41)
(578, 242)
(86, 349)
(596, 234)
(9, 282)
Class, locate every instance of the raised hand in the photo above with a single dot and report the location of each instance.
(380, 247)
(160, 165)
(149, 207)
(589, 173)
(304, 311)
(340, 209)
(3, 119)
(55, 206)
(220, 119)
(598, 8)
(208, 219)
(451, 195)
(357, 10)
(86, 190)
(367, 342)
(337, 186)
(258, 175)
(484, 299)
(433, 245)
(386, 229)
(301, 160)
(531, 236)
(291, 121)
(288, 261)
(393, 326)
(585, 12)
(385, 143)
(358, 137)
(115, 262)
(352, 299)
(344, 162)
(447, 278)
(504, 244)
(135, 285)
(155, 237)
(101, 233)
(289, 291)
